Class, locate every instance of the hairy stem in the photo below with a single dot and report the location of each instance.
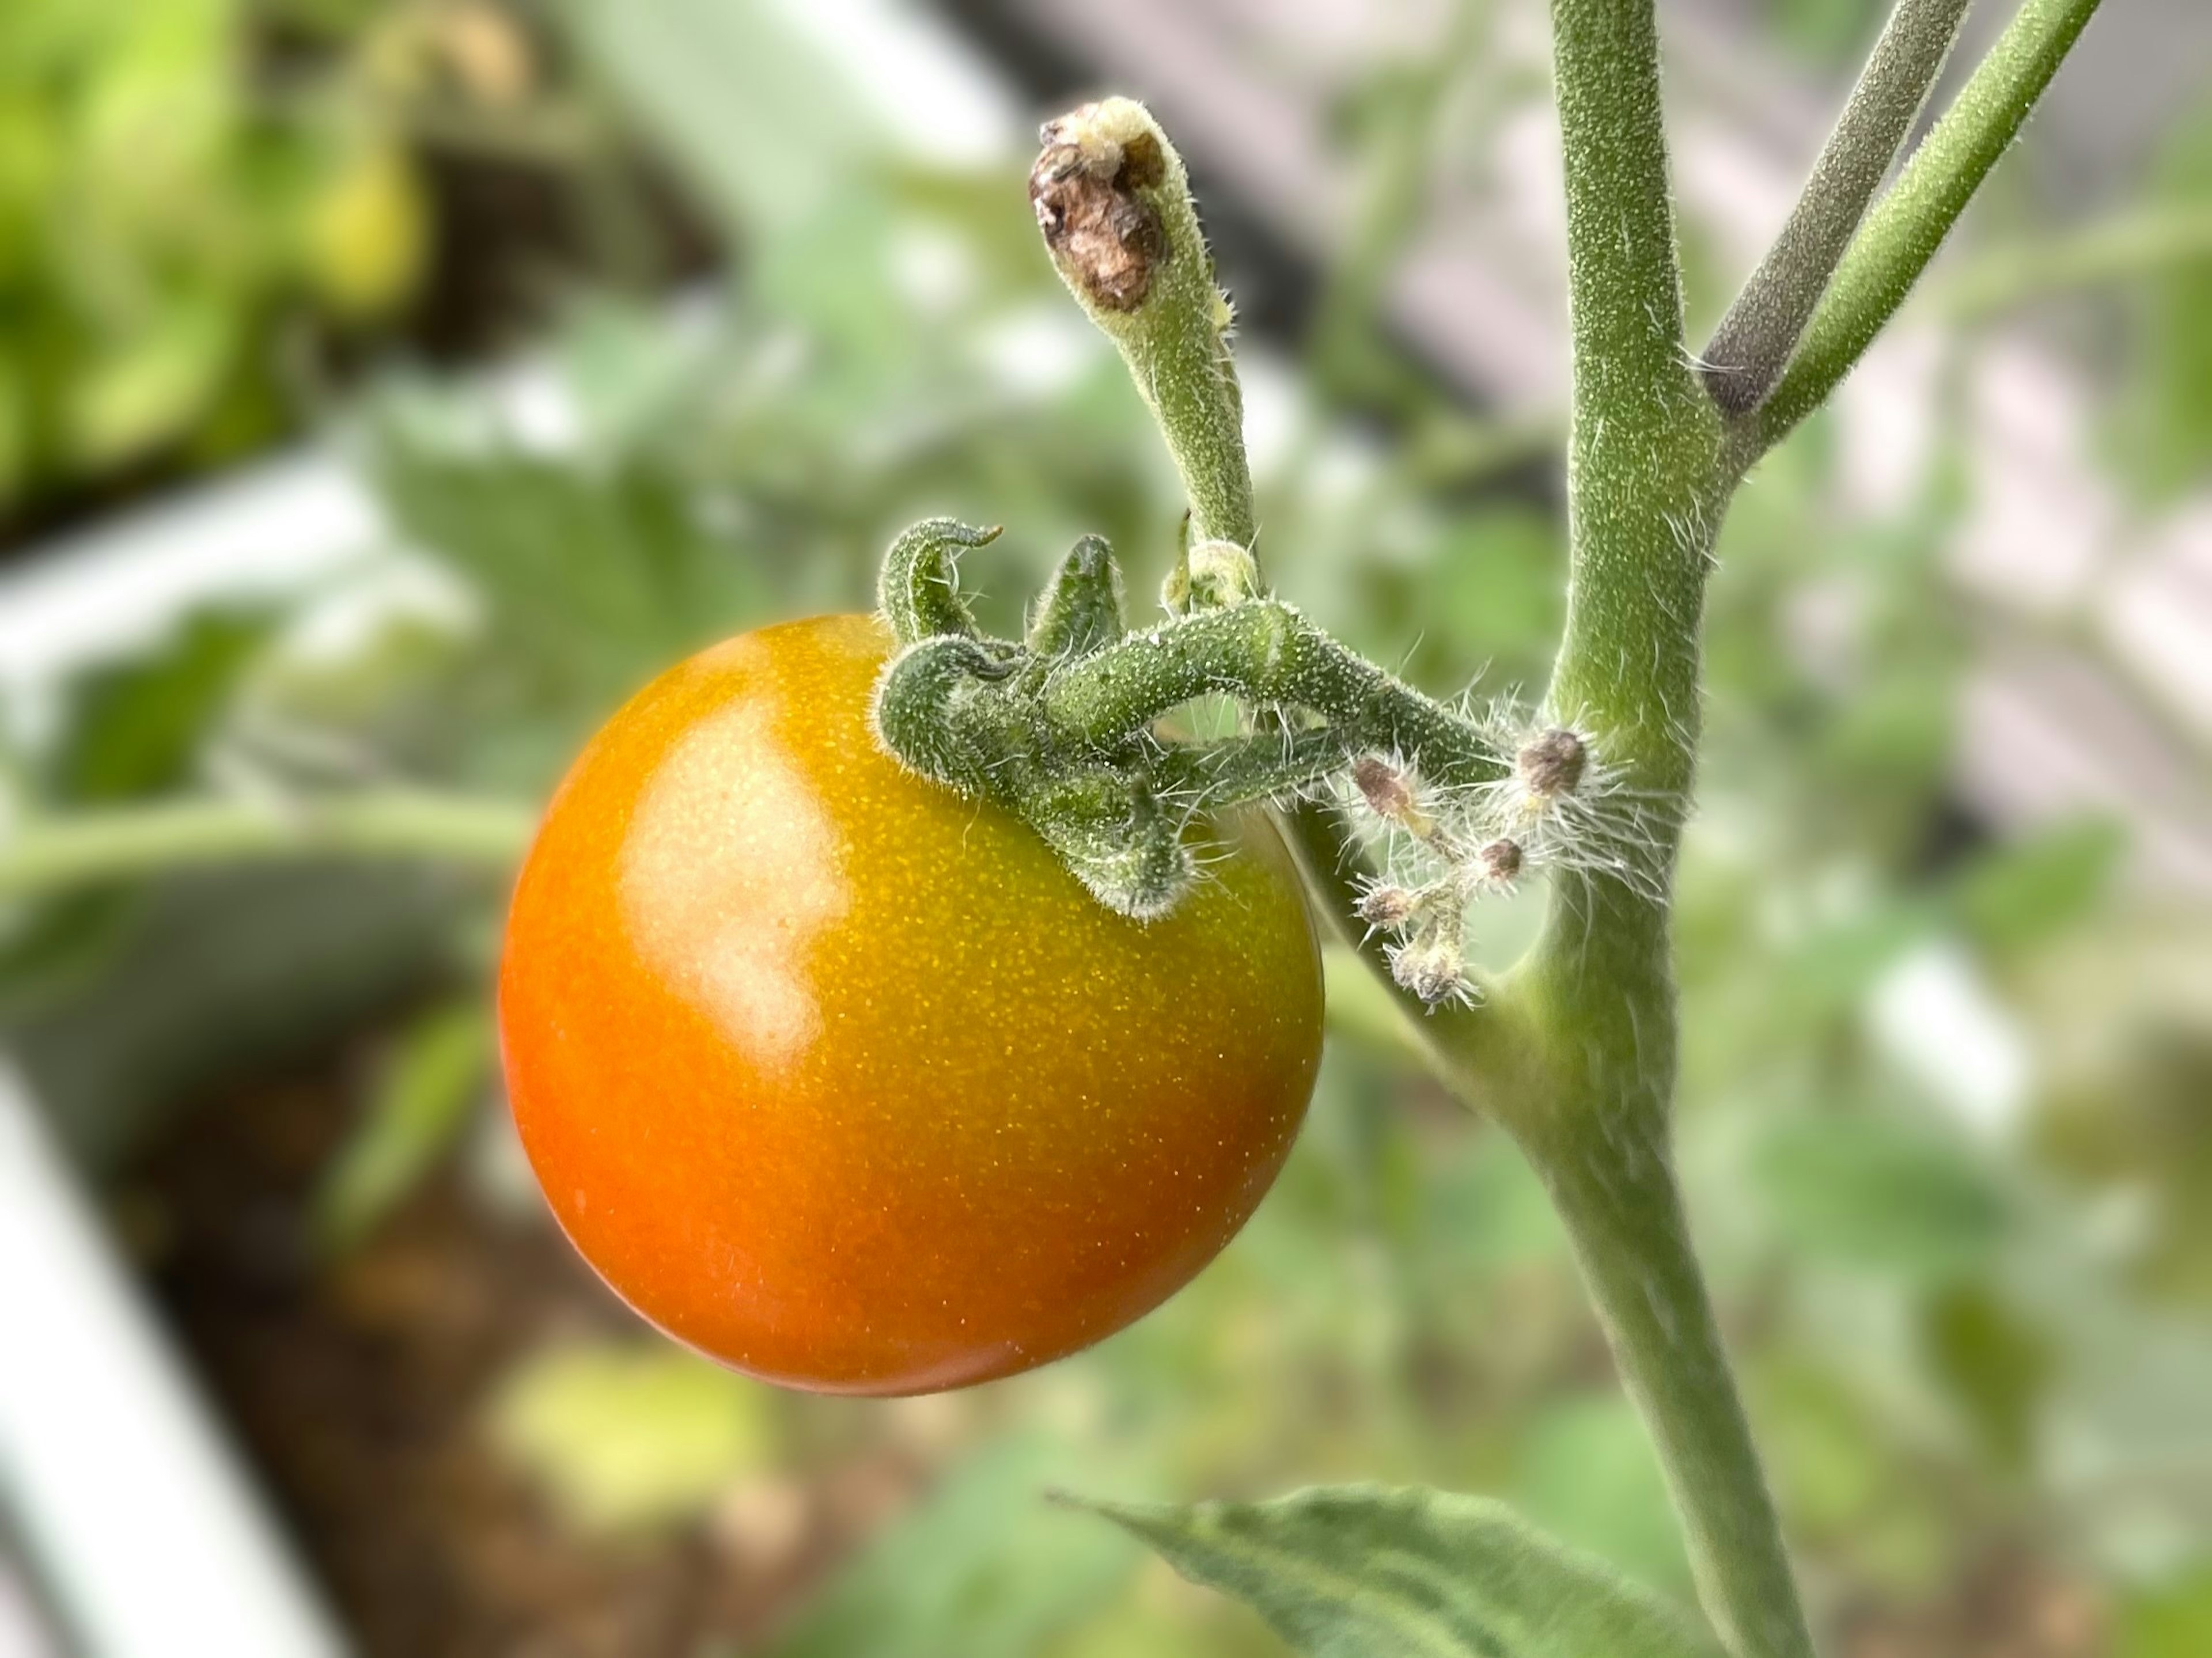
(1908, 225)
(121, 842)
(1266, 654)
(1762, 328)
(1643, 437)
(1617, 1194)
(1645, 491)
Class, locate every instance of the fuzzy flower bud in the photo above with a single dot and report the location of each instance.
(1389, 792)
(1432, 967)
(1551, 763)
(1500, 861)
(1386, 904)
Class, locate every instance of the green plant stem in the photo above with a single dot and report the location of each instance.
(1754, 340)
(117, 844)
(1907, 226)
(1643, 435)
(1266, 653)
(1617, 1194)
(2140, 242)
(1645, 492)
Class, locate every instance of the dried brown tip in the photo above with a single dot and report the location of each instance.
(1105, 236)
(1550, 764)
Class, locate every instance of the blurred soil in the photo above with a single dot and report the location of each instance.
(361, 1389)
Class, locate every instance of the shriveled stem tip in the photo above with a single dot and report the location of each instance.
(1089, 189)
(1113, 204)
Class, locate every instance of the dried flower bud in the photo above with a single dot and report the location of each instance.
(1388, 790)
(1501, 860)
(1432, 966)
(1386, 904)
(1551, 763)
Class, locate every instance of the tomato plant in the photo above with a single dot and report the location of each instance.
(845, 1080)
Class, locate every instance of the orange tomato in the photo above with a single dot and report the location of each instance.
(843, 1078)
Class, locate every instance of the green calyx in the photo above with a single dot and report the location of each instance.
(1069, 728)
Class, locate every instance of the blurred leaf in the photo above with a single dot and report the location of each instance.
(132, 729)
(628, 1435)
(1834, 966)
(1361, 1571)
(2172, 1622)
(1848, 1483)
(1499, 587)
(221, 970)
(594, 582)
(432, 1077)
(976, 1570)
(1490, 1209)
(145, 389)
(138, 726)
(1872, 1193)
(1996, 1365)
(756, 118)
(2030, 891)
(1585, 1472)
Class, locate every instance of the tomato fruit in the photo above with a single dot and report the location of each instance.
(843, 1078)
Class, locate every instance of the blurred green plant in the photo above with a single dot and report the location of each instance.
(158, 220)
(2017, 1379)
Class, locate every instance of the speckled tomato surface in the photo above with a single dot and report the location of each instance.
(843, 1078)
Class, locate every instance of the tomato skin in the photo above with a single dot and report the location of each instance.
(843, 1078)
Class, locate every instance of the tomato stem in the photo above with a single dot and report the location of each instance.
(82, 848)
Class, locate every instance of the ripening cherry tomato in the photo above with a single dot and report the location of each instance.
(843, 1078)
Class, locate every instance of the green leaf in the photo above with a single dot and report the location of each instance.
(593, 581)
(433, 1076)
(631, 1434)
(754, 116)
(1366, 1571)
(975, 1571)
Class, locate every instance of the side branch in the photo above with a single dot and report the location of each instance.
(1903, 233)
(1265, 654)
(1114, 204)
(1761, 328)
(124, 842)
